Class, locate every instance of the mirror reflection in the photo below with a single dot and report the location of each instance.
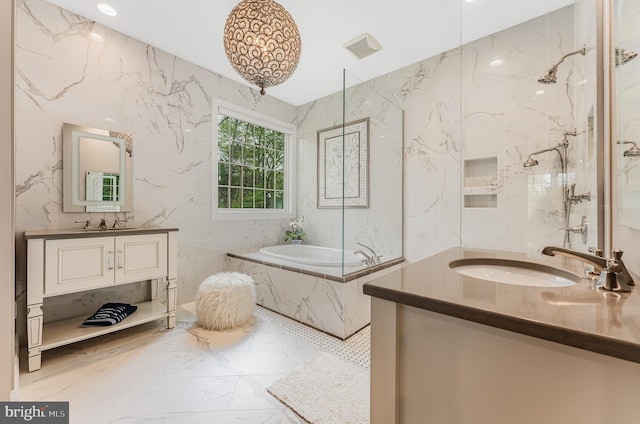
(626, 45)
(97, 170)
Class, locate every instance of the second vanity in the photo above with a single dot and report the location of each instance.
(63, 262)
(450, 348)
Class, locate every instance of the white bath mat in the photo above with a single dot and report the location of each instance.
(326, 390)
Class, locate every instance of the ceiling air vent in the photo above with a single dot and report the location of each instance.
(363, 45)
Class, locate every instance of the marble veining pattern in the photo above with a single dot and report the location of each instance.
(100, 78)
(337, 308)
(70, 69)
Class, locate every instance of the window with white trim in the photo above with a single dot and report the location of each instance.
(254, 167)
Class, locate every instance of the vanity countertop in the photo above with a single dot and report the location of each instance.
(77, 233)
(580, 316)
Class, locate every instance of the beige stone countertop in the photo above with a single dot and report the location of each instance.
(578, 315)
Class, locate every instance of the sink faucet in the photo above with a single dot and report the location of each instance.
(614, 276)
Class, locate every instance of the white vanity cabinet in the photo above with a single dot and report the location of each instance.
(73, 261)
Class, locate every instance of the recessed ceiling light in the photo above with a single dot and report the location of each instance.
(497, 62)
(107, 10)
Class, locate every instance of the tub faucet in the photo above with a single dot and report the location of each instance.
(614, 276)
(374, 257)
(368, 258)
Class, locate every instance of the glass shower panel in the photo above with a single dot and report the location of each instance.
(371, 174)
(528, 155)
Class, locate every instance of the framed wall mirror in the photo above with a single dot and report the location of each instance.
(97, 170)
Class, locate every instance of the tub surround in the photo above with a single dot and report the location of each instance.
(451, 348)
(327, 273)
(327, 303)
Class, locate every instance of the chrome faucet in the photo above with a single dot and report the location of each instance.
(87, 224)
(614, 276)
(121, 224)
(374, 258)
(369, 259)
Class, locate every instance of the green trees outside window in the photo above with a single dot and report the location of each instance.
(251, 165)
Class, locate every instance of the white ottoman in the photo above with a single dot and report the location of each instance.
(225, 300)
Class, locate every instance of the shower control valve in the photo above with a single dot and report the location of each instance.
(580, 229)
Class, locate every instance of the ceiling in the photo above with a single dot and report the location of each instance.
(408, 30)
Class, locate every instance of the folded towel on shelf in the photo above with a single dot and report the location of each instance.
(109, 314)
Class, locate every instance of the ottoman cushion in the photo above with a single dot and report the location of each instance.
(225, 300)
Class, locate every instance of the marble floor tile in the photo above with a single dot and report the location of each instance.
(187, 375)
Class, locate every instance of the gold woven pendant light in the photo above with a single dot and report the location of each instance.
(262, 42)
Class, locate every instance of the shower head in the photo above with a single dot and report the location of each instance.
(550, 76)
(623, 56)
(633, 151)
(530, 162)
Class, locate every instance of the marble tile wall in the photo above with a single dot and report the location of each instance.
(72, 70)
(67, 75)
(380, 224)
(458, 107)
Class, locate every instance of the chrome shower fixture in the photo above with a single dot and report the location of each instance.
(550, 76)
(623, 56)
(562, 145)
(633, 151)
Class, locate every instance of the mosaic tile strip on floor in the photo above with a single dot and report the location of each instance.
(356, 348)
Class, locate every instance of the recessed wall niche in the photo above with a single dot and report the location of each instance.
(480, 182)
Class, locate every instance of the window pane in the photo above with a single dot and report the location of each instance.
(258, 157)
(279, 200)
(223, 148)
(278, 160)
(236, 175)
(279, 181)
(259, 178)
(269, 199)
(247, 198)
(269, 138)
(247, 177)
(223, 197)
(236, 151)
(248, 155)
(271, 178)
(223, 173)
(279, 143)
(259, 199)
(236, 198)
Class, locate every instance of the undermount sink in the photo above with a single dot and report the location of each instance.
(509, 271)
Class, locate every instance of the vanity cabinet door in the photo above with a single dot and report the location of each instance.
(140, 257)
(73, 265)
